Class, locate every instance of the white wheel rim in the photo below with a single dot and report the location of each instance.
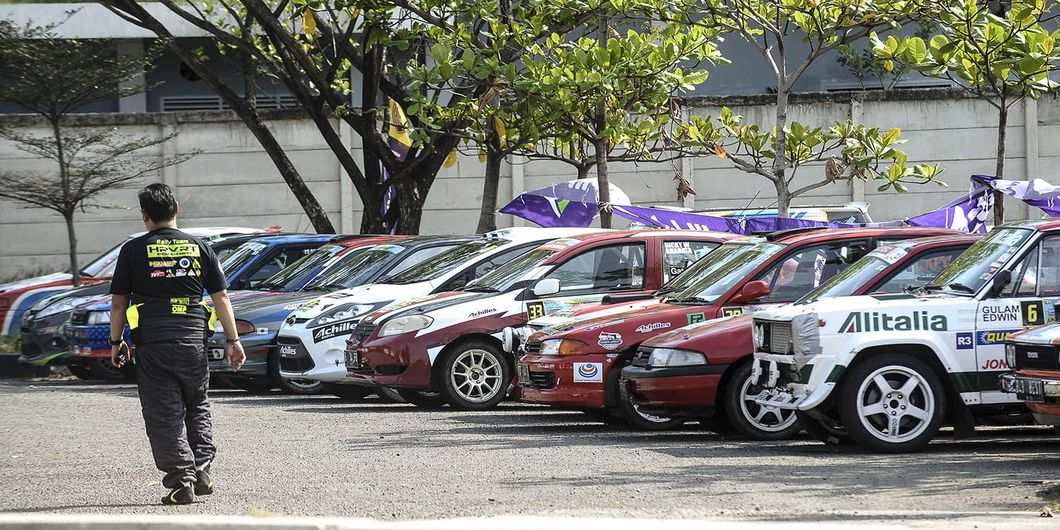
(895, 404)
(763, 417)
(477, 376)
(650, 417)
(304, 384)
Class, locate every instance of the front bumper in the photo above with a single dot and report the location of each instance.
(256, 347)
(90, 341)
(1041, 393)
(685, 391)
(789, 388)
(575, 381)
(323, 362)
(400, 361)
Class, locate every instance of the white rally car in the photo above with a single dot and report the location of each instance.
(888, 370)
(313, 337)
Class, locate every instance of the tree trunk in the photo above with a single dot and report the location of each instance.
(603, 188)
(780, 162)
(410, 199)
(487, 217)
(999, 170)
(583, 170)
(75, 267)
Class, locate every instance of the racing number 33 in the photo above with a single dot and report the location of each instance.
(535, 310)
(1033, 312)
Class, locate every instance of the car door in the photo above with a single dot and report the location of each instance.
(1027, 301)
(274, 261)
(586, 277)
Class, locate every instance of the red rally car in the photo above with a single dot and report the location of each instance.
(694, 371)
(448, 347)
(577, 363)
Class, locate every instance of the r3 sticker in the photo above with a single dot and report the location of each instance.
(535, 310)
(1033, 312)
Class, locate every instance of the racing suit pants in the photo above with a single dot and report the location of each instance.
(172, 379)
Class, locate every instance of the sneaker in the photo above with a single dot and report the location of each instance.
(183, 494)
(203, 482)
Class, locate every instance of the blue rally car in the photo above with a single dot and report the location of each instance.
(88, 330)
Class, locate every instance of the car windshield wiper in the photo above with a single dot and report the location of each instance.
(957, 286)
(479, 289)
(690, 300)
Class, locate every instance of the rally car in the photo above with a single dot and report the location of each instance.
(17, 297)
(88, 331)
(448, 347)
(744, 275)
(43, 342)
(886, 371)
(313, 340)
(1034, 355)
(703, 370)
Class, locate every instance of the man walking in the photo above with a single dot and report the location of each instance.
(158, 284)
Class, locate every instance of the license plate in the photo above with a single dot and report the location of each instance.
(522, 373)
(352, 359)
(288, 351)
(1029, 390)
(216, 354)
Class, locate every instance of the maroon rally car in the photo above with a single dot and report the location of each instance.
(448, 347)
(703, 369)
(577, 363)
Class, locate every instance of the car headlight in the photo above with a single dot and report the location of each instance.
(669, 357)
(758, 333)
(560, 347)
(98, 317)
(341, 313)
(1010, 355)
(407, 324)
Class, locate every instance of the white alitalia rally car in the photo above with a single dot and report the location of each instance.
(887, 371)
(313, 337)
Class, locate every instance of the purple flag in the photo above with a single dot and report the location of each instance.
(570, 203)
(1037, 192)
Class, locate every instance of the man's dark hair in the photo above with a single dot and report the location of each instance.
(158, 202)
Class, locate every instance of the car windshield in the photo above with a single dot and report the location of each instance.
(103, 266)
(243, 254)
(721, 269)
(442, 263)
(853, 278)
(977, 265)
(356, 269)
(298, 272)
(509, 275)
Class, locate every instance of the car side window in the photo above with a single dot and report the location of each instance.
(679, 255)
(611, 268)
(1038, 273)
(416, 256)
(486, 266)
(276, 263)
(804, 270)
(1024, 276)
(921, 271)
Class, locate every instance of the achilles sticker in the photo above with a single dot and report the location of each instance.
(481, 312)
(535, 310)
(610, 341)
(588, 372)
(648, 328)
(696, 318)
(334, 330)
(1033, 312)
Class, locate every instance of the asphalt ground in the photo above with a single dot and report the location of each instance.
(76, 447)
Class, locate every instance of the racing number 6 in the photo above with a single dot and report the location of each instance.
(1032, 313)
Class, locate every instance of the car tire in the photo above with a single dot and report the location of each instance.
(750, 418)
(422, 398)
(605, 416)
(254, 385)
(475, 375)
(884, 388)
(829, 432)
(348, 392)
(645, 422)
(81, 371)
(105, 370)
(389, 395)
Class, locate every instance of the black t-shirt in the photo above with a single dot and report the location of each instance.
(166, 271)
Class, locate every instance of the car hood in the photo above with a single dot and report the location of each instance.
(622, 331)
(883, 303)
(579, 313)
(704, 335)
(426, 304)
(377, 294)
(270, 310)
(38, 281)
(1044, 335)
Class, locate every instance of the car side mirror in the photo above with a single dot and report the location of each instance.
(546, 287)
(1001, 280)
(751, 291)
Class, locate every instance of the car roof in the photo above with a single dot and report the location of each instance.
(575, 243)
(284, 239)
(1037, 224)
(812, 235)
(940, 241)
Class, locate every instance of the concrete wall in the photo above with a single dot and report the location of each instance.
(231, 182)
